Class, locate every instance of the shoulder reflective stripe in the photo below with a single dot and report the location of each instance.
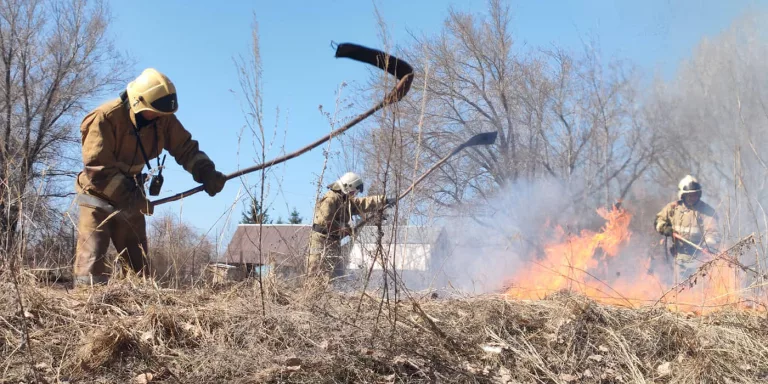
(682, 229)
(198, 157)
(114, 184)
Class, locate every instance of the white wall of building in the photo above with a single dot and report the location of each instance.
(407, 257)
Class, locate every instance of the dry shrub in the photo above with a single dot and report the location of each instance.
(102, 346)
(220, 334)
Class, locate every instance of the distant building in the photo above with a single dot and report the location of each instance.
(278, 248)
(416, 252)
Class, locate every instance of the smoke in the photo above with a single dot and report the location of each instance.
(496, 243)
(710, 121)
(492, 240)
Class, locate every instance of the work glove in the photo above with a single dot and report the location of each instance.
(667, 231)
(213, 181)
(390, 201)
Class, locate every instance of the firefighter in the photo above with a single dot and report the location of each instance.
(692, 219)
(330, 223)
(118, 139)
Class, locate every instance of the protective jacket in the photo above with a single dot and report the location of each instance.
(112, 158)
(697, 224)
(330, 224)
(334, 211)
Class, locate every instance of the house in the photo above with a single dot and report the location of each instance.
(416, 252)
(278, 248)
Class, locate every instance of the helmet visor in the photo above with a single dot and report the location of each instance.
(167, 103)
(360, 188)
(692, 187)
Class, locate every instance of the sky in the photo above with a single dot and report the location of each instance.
(196, 44)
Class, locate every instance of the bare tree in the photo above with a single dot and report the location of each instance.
(179, 251)
(55, 56)
(564, 116)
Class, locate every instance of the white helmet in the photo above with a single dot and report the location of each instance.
(688, 184)
(348, 182)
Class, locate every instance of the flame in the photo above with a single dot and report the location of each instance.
(603, 266)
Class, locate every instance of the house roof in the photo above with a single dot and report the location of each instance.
(284, 244)
(404, 234)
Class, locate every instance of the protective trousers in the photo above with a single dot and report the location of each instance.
(126, 230)
(325, 258)
(685, 266)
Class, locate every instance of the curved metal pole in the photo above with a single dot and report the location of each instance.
(486, 138)
(398, 68)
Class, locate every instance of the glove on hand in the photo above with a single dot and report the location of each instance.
(390, 201)
(213, 181)
(667, 231)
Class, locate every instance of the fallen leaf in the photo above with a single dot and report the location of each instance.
(143, 378)
(42, 366)
(323, 345)
(588, 374)
(745, 367)
(664, 369)
(568, 378)
(597, 358)
(602, 348)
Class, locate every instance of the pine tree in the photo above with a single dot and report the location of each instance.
(295, 218)
(254, 214)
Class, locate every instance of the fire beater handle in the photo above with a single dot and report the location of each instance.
(486, 138)
(396, 67)
(684, 240)
(722, 255)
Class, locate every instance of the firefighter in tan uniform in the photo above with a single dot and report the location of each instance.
(693, 220)
(330, 223)
(118, 138)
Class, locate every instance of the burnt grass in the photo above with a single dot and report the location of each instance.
(134, 331)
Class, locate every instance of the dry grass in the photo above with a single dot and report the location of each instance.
(133, 331)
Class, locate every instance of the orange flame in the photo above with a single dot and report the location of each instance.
(583, 263)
